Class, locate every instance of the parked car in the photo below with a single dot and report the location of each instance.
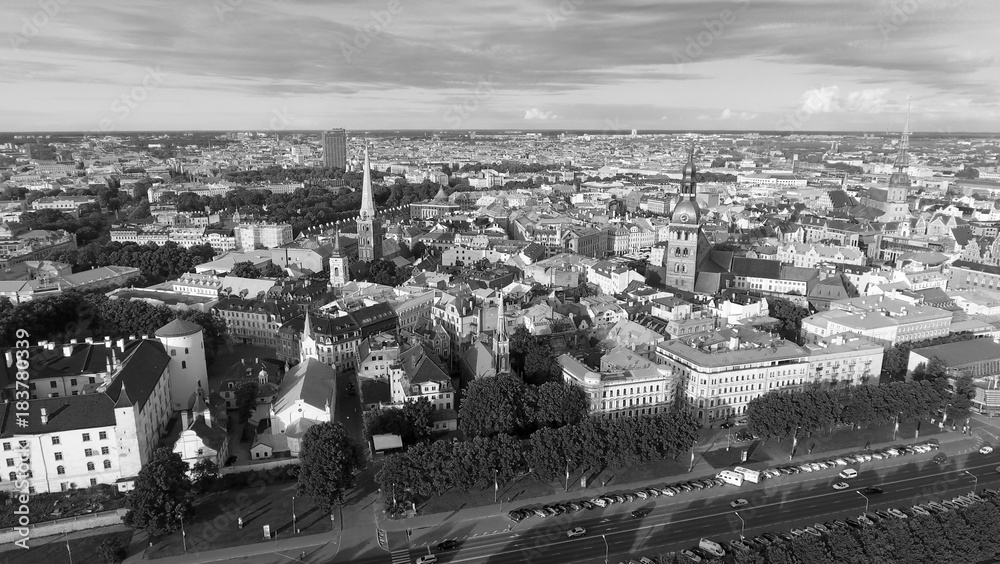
(841, 486)
(587, 505)
(642, 495)
(691, 556)
(427, 559)
(797, 532)
(576, 532)
(516, 515)
(896, 513)
(814, 532)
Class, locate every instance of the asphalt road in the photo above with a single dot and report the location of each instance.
(675, 523)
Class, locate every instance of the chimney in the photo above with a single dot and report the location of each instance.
(72, 341)
(144, 337)
(131, 337)
(90, 340)
(50, 346)
(44, 416)
(67, 350)
(184, 420)
(256, 361)
(243, 361)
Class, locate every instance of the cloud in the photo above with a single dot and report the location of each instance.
(728, 114)
(535, 113)
(828, 100)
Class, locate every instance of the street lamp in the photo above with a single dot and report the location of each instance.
(293, 515)
(183, 532)
(975, 483)
(607, 549)
(743, 529)
(866, 500)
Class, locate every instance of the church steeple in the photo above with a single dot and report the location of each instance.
(367, 200)
(501, 342)
(336, 244)
(307, 327)
(900, 176)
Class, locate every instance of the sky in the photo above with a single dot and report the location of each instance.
(614, 65)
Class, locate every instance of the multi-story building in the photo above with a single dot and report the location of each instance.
(103, 430)
(252, 236)
(335, 148)
(883, 318)
(612, 277)
(804, 255)
(71, 204)
(964, 274)
(254, 322)
(626, 384)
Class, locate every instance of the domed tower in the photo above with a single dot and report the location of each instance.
(184, 342)
(684, 233)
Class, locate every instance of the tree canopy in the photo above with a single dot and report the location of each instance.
(162, 495)
(330, 459)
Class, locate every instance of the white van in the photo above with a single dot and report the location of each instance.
(849, 473)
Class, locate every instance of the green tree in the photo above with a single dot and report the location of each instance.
(555, 404)
(204, 472)
(162, 494)
(330, 461)
(112, 550)
(245, 269)
(246, 399)
(789, 315)
(494, 405)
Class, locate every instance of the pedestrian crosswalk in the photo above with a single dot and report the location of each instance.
(400, 557)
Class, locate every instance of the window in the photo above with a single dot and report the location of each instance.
(6, 446)
(60, 470)
(90, 466)
(55, 440)
(88, 452)
(93, 379)
(105, 450)
(107, 464)
(72, 381)
(173, 352)
(53, 384)
(185, 350)
(93, 481)
(13, 476)
(184, 364)
(102, 435)
(58, 456)
(86, 437)
(10, 461)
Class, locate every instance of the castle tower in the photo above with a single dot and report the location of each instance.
(184, 341)
(684, 233)
(501, 342)
(369, 228)
(339, 274)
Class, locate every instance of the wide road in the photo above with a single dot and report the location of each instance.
(675, 523)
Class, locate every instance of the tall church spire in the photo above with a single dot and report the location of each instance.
(367, 201)
(903, 157)
(307, 328)
(501, 342)
(336, 243)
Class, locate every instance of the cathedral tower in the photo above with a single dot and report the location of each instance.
(369, 228)
(684, 233)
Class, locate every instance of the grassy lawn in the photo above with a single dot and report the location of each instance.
(84, 549)
(215, 524)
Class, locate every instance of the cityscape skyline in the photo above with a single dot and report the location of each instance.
(570, 65)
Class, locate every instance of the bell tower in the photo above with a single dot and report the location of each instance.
(684, 233)
(369, 228)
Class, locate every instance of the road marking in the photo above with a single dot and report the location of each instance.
(400, 557)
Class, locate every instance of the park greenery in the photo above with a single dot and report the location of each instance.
(162, 496)
(789, 316)
(795, 413)
(507, 405)
(532, 359)
(412, 421)
(966, 534)
(78, 315)
(564, 442)
(330, 460)
(156, 263)
(897, 357)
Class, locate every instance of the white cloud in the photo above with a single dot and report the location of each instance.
(535, 113)
(742, 116)
(828, 99)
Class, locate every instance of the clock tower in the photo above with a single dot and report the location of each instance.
(684, 233)
(369, 228)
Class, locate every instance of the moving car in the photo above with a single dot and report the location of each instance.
(450, 544)
(642, 511)
(576, 532)
(872, 490)
(841, 486)
(427, 559)
(739, 503)
(939, 458)
(848, 473)
(986, 449)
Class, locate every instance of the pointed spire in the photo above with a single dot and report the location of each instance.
(367, 201)
(687, 177)
(501, 320)
(307, 328)
(903, 157)
(123, 399)
(336, 243)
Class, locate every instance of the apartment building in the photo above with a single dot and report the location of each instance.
(251, 236)
(884, 318)
(625, 385)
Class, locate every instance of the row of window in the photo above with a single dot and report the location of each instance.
(90, 467)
